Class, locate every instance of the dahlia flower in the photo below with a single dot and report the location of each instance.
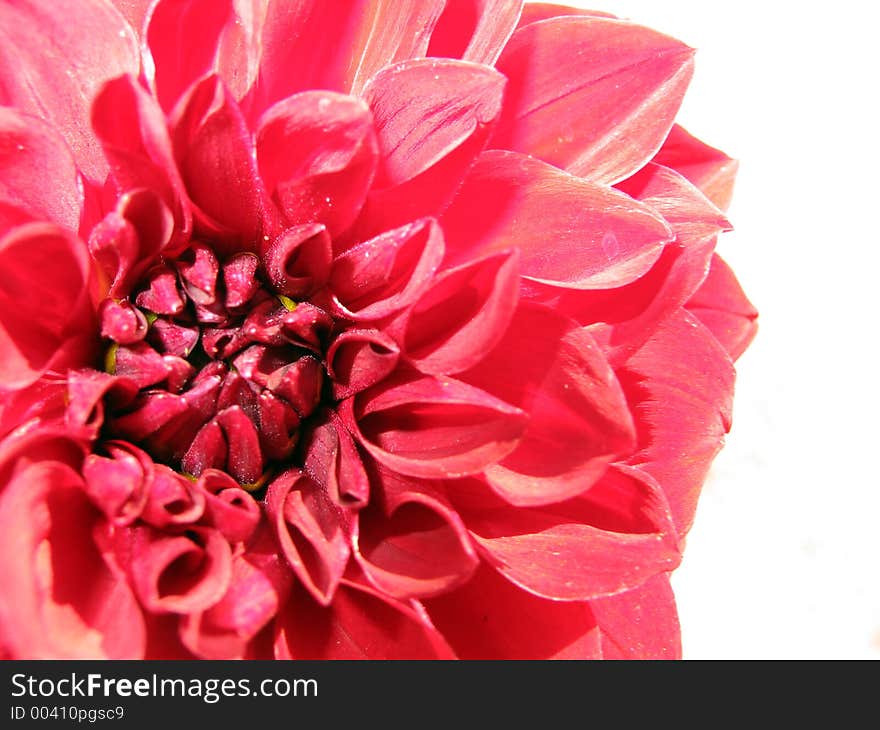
(376, 328)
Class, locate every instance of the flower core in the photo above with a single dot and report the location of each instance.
(227, 367)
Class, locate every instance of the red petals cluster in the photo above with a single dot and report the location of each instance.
(385, 329)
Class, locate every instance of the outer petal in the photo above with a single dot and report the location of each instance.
(46, 315)
(317, 154)
(570, 232)
(475, 30)
(490, 618)
(578, 417)
(38, 177)
(534, 12)
(591, 95)
(55, 57)
(339, 45)
(612, 537)
(425, 108)
(641, 623)
(722, 306)
(709, 169)
(433, 427)
(46, 537)
(359, 624)
(680, 385)
(622, 319)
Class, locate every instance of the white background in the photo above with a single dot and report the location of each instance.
(783, 559)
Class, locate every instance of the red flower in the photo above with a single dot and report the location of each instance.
(352, 330)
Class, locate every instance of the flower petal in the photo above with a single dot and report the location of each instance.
(69, 49)
(359, 358)
(317, 154)
(359, 624)
(133, 133)
(333, 461)
(258, 588)
(47, 610)
(46, 271)
(432, 427)
(579, 420)
(641, 623)
(216, 157)
(475, 30)
(414, 545)
(723, 307)
(188, 39)
(610, 538)
(591, 95)
(570, 232)
(175, 573)
(490, 618)
(312, 530)
(463, 315)
(38, 176)
(426, 108)
(388, 273)
(680, 385)
(709, 169)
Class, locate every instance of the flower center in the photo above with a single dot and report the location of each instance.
(226, 369)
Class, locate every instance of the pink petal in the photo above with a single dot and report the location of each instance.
(133, 133)
(334, 463)
(359, 358)
(244, 460)
(129, 239)
(426, 108)
(176, 573)
(591, 95)
(388, 273)
(47, 611)
(415, 545)
(570, 232)
(575, 550)
(433, 427)
(228, 508)
(490, 618)
(641, 623)
(46, 271)
(54, 59)
(579, 420)
(390, 31)
(135, 12)
(188, 39)
(172, 500)
(535, 12)
(86, 391)
(359, 624)
(298, 261)
(475, 30)
(709, 169)
(215, 152)
(463, 315)
(38, 176)
(723, 307)
(312, 530)
(258, 588)
(119, 484)
(680, 385)
(338, 47)
(317, 155)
